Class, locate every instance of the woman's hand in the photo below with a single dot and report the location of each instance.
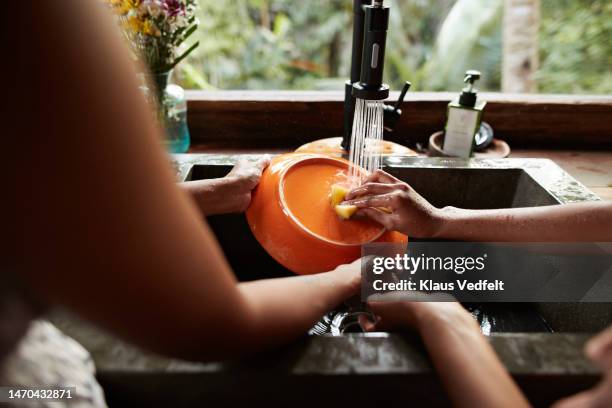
(396, 206)
(230, 194)
(414, 311)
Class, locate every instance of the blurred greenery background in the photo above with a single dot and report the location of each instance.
(305, 44)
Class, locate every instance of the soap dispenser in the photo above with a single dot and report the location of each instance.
(463, 119)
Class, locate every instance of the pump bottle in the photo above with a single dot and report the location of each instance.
(463, 119)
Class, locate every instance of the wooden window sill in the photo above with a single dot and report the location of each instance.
(287, 119)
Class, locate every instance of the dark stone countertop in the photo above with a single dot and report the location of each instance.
(546, 366)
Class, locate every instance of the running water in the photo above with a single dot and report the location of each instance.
(366, 139)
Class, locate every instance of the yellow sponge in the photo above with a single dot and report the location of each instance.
(345, 211)
(338, 192)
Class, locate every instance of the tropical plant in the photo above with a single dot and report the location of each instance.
(575, 47)
(292, 44)
(470, 37)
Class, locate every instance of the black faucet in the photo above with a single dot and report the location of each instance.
(370, 24)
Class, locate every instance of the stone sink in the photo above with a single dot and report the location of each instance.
(540, 344)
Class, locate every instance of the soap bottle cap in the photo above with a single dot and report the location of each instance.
(469, 94)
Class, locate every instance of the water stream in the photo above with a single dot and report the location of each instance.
(366, 140)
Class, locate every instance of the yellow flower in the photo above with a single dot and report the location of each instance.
(123, 7)
(149, 28)
(134, 24)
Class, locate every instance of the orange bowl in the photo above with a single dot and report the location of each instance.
(332, 147)
(291, 216)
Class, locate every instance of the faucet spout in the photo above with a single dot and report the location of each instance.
(376, 23)
(356, 56)
(357, 47)
(370, 23)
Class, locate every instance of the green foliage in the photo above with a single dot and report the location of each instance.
(576, 46)
(413, 27)
(262, 44)
(293, 44)
(469, 38)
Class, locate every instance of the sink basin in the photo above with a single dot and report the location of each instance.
(475, 184)
(547, 366)
(460, 187)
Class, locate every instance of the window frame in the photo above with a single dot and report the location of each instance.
(288, 119)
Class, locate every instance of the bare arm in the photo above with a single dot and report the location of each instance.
(590, 221)
(466, 363)
(229, 194)
(100, 226)
(278, 305)
(413, 215)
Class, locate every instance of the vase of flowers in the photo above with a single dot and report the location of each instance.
(157, 30)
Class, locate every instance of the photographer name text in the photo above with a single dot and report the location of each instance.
(431, 286)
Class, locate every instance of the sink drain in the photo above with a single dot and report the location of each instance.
(338, 323)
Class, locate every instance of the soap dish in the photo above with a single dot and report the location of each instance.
(498, 149)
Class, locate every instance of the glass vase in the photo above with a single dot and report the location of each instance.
(172, 112)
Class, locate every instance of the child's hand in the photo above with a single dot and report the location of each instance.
(395, 205)
(229, 194)
(415, 310)
(247, 173)
(240, 182)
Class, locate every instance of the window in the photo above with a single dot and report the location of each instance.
(551, 46)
